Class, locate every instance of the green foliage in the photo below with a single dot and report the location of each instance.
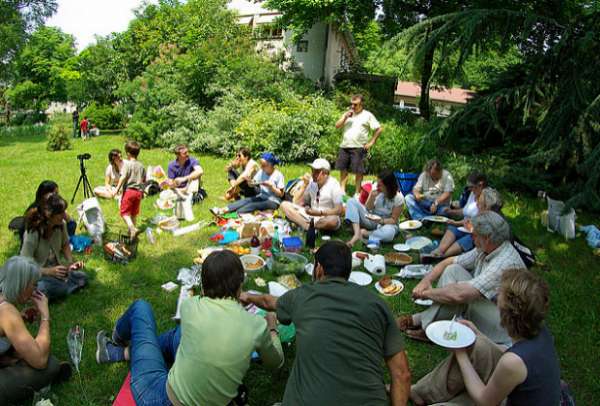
(59, 137)
(106, 117)
(540, 113)
(42, 69)
(18, 18)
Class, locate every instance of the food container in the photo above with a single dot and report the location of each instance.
(292, 244)
(252, 263)
(288, 263)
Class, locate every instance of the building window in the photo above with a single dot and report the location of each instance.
(302, 46)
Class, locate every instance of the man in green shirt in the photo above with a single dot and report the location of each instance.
(209, 352)
(344, 332)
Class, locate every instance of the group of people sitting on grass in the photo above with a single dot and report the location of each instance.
(345, 332)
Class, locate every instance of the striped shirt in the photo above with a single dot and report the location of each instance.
(487, 269)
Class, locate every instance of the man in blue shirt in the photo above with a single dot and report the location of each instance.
(183, 169)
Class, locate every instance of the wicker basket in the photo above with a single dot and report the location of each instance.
(125, 242)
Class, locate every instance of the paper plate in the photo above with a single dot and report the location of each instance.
(464, 230)
(402, 247)
(424, 302)
(373, 217)
(277, 289)
(360, 278)
(416, 243)
(435, 332)
(410, 225)
(356, 262)
(395, 282)
(354, 255)
(436, 219)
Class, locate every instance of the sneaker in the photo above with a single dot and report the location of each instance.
(106, 351)
(118, 340)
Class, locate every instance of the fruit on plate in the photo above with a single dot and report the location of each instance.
(239, 250)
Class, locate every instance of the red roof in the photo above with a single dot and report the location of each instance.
(452, 95)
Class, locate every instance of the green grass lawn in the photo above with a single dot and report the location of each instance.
(569, 267)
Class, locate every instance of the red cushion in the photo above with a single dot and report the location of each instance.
(125, 397)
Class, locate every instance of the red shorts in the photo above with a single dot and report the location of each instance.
(130, 202)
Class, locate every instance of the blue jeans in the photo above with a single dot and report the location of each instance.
(356, 213)
(421, 209)
(251, 204)
(150, 355)
(465, 240)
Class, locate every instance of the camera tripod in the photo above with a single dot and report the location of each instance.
(87, 188)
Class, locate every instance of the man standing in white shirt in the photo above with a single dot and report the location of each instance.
(357, 123)
(319, 199)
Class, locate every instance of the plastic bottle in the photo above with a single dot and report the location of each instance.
(255, 245)
(276, 248)
(150, 236)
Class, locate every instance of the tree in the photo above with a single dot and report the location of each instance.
(17, 19)
(42, 69)
(101, 68)
(545, 108)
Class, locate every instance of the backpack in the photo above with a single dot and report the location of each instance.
(525, 253)
(290, 189)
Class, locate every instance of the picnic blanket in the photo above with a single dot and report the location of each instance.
(125, 397)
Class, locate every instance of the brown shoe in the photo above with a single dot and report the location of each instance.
(406, 323)
(418, 335)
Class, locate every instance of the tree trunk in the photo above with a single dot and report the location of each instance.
(426, 70)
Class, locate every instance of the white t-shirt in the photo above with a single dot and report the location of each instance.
(356, 129)
(383, 206)
(250, 169)
(432, 189)
(470, 210)
(329, 196)
(113, 174)
(276, 177)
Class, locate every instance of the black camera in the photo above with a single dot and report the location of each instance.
(81, 157)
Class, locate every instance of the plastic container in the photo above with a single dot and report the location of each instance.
(292, 244)
(288, 263)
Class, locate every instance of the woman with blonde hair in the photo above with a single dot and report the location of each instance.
(25, 361)
(527, 373)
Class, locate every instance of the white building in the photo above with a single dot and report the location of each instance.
(322, 52)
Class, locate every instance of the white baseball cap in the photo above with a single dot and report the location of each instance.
(320, 163)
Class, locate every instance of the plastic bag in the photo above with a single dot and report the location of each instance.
(93, 219)
(559, 220)
(75, 339)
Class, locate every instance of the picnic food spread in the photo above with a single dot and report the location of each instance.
(397, 258)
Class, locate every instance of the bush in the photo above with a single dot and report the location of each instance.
(403, 148)
(28, 118)
(59, 138)
(106, 117)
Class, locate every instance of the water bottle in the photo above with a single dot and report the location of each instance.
(150, 236)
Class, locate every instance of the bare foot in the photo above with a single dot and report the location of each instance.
(352, 241)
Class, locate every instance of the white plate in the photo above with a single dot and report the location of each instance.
(356, 262)
(373, 217)
(359, 252)
(360, 278)
(436, 219)
(249, 258)
(326, 238)
(402, 247)
(464, 230)
(435, 332)
(424, 302)
(410, 225)
(395, 282)
(277, 289)
(416, 243)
